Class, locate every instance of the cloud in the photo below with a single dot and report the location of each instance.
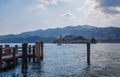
(41, 6)
(53, 2)
(69, 15)
(108, 3)
(48, 2)
(64, 0)
(93, 15)
(111, 7)
(71, 18)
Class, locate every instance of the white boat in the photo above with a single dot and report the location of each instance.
(59, 43)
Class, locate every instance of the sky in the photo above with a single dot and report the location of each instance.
(18, 16)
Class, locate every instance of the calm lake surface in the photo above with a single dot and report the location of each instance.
(69, 60)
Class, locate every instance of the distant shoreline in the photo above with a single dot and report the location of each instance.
(63, 43)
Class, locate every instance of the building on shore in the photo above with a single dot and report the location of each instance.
(74, 39)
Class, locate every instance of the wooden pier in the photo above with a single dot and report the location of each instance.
(25, 52)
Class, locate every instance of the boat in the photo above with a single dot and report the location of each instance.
(59, 43)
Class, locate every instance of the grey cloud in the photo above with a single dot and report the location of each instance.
(110, 11)
(109, 6)
(69, 15)
(109, 3)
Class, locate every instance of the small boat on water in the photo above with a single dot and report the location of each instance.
(59, 43)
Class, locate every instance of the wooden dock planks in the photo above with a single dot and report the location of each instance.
(27, 52)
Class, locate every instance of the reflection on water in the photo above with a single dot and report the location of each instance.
(70, 60)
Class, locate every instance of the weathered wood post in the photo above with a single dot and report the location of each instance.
(29, 52)
(16, 47)
(16, 51)
(0, 57)
(42, 45)
(24, 57)
(38, 52)
(34, 54)
(88, 53)
(7, 50)
(14, 58)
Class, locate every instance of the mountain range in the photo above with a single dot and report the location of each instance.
(101, 34)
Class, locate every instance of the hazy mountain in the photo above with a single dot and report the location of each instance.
(107, 34)
(56, 32)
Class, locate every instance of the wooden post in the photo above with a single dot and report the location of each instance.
(7, 51)
(38, 57)
(16, 47)
(33, 54)
(14, 58)
(29, 52)
(16, 51)
(42, 50)
(88, 53)
(24, 57)
(0, 57)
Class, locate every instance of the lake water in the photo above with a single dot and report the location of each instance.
(69, 60)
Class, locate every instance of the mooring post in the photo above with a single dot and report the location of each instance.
(24, 57)
(7, 50)
(16, 51)
(16, 48)
(38, 52)
(29, 52)
(34, 54)
(6, 45)
(88, 53)
(1, 57)
(14, 58)
(42, 45)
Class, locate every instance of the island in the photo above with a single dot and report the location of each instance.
(74, 39)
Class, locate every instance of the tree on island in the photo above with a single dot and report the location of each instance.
(93, 40)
